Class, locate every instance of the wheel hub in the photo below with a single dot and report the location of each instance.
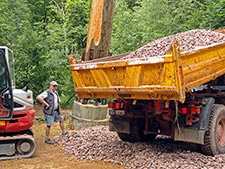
(221, 132)
(24, 147)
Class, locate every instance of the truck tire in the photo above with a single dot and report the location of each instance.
(148, 138)
(144, 137)
(137, 133)
(214, 140)
(136, 138)
(128, 137)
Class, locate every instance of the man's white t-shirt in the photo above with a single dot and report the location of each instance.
(44, 95)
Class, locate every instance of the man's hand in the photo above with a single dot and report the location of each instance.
(47, 105)
(43, 102)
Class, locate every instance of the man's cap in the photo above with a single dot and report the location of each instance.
(54, 83)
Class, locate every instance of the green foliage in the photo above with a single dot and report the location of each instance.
(39, 120)
(152, 19)
(77, 24)
(126, 34)
(132, 3)
(43, 33)
(214, 15)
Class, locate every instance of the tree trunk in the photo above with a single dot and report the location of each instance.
(100, 29)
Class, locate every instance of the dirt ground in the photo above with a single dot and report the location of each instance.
(52, 156)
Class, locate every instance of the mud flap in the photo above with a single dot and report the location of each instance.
(189, 135)
(119, 126)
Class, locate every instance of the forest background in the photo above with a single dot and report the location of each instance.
(42, 33)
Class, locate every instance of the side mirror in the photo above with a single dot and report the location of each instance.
(7, 101)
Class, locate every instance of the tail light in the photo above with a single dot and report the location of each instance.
(184, 110)
(117, 105)
(192, 110)
(195, 110)
(111, 105)
(116, 108)
(28, 96)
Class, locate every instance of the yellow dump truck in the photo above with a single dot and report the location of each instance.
(180, 94)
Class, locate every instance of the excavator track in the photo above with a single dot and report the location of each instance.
(18, 146)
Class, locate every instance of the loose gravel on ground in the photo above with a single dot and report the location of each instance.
(189, 41)
(98, 143)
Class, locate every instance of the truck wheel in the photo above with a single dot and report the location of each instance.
(128, 137)
(148, 138)
(143, 137)
(214, 141)
(135, 138)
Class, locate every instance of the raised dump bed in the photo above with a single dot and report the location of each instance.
(163, 90)
(166, 77)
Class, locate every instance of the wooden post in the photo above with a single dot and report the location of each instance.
(100, 29)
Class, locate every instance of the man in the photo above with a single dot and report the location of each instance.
(51, 108)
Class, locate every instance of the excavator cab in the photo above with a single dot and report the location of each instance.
(6, 96)
(16, 113)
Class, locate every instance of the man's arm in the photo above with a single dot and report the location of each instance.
(41, 98)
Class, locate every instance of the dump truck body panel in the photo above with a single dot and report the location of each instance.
(166, 77)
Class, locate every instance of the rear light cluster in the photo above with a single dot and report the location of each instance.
(116, 108)
(116, 105)
(191, 110)
(29, 96)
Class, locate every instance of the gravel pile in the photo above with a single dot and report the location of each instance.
(98, 143)
(189, 41)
